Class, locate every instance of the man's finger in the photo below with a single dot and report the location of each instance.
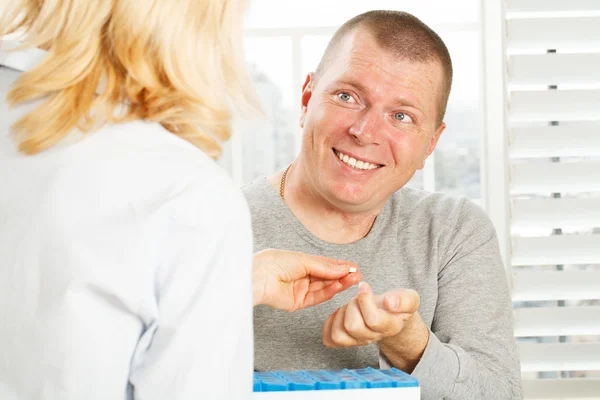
(338, 335)
(326, 333)
(375, 318)
(402, 301)
(356, 326)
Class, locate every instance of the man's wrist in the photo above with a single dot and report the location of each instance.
(404, 350)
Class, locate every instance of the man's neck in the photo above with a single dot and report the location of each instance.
(318, 216)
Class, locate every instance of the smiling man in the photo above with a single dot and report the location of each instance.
(434, 301)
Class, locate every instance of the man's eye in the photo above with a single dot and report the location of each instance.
(345, 96)
(400, 116)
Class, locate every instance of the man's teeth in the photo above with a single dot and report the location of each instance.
(355, 164)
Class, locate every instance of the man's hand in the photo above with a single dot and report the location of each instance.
(368, 319)
(290, 280)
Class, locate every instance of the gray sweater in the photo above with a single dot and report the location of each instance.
(443, 247)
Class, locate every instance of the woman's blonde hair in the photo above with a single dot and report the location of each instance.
(175, 62)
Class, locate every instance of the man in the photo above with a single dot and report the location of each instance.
(434, 301)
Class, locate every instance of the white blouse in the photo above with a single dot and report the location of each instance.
(125, 266)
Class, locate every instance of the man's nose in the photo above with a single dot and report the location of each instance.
(367, 128)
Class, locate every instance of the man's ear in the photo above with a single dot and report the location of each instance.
(432, 143)
(307, 90)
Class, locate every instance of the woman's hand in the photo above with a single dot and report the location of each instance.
(290, 280)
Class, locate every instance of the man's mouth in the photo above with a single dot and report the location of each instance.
(355, 163)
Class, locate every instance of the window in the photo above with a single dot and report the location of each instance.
(544, 126)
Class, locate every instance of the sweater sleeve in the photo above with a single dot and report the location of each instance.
(471, 353)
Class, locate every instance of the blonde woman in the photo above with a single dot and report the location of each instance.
(125, 252)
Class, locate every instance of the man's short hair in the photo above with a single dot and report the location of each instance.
(403, 35)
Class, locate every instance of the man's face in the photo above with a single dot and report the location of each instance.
(369, 122)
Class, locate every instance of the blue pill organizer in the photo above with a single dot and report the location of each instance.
(347, 384)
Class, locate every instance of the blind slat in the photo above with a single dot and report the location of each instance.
(557, 321)
(563, 389)
(555, 285)
(559, 356)
(580, 213)
(552, 5)
(553, 33)
(575, 139)
(554, 105)
(554, 69)
(572, 28)
(559, 249)
(555, 177)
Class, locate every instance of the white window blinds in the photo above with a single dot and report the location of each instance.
(552, 78)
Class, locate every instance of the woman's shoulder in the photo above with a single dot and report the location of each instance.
(165, 159)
